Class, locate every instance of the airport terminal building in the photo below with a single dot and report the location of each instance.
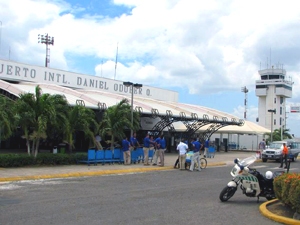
(159, 108)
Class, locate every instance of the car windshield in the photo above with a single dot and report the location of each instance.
(275, 145)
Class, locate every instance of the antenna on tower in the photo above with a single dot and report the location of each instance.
(260, 65)
(245, 90)
(270, 58)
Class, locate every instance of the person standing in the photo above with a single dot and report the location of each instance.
(134, 142)
(182, 148)
(156, 149)
(206, 146)
(126, 151)
(284, 156)
(196, 155)
(162, 149)
(147, 143)
(262, 145)
(177, 160)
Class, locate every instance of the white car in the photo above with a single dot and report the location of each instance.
(274, 150)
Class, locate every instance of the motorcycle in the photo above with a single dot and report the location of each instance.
(251, 182)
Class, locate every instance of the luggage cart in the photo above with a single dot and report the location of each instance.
(211, 152)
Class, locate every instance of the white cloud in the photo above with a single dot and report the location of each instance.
(206, 47)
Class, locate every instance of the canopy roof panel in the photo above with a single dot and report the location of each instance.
(248, 128)
(92, 98)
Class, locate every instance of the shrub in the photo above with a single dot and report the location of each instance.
(278, 185)
(16, 160)
(289, 178)
(287, 190)
(79, 156)
(45, 159)
(19, 160)
(294, 194)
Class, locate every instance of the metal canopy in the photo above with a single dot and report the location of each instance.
(193, 117)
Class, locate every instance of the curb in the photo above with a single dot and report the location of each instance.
(95, 173)
(281, 219)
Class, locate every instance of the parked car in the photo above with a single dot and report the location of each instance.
(274, 150)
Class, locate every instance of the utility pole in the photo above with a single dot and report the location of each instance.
(245, 90)
(47, 40)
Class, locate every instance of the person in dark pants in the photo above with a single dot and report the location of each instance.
(176, 163)
(284, 156)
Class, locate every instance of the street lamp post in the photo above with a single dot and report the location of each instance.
(132, 85)
(272, 111)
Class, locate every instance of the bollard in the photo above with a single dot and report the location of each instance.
(288, 165)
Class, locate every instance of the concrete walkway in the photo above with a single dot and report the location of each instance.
(46, 172)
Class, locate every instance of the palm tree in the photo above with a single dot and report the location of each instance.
(285, 133)
(7, 117)
(79, 119)
(277, 135)
(35, 113)
(55, 128)
(115, 119)
(25, 113)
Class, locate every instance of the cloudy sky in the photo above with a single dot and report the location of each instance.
(205, 50)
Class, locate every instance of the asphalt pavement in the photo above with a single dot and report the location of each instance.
(49, 172)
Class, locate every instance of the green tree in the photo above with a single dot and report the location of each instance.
(35, 112)
(115, 119)
(277, 135)
(79, 119)
(7, 117)
(55, 128)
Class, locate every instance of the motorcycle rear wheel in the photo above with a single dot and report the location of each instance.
(227, 193)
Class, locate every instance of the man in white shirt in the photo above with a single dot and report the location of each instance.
(182, 149)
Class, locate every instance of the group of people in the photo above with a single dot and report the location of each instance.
(128, 147)
(158, 145)
(195, 146)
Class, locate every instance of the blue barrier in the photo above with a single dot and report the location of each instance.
(91, 157)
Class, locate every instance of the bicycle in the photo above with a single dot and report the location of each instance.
(203, 163)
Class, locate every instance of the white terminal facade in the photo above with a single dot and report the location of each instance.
(272, 90)
(160, 108)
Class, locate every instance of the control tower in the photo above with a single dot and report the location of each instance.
(272, 90)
